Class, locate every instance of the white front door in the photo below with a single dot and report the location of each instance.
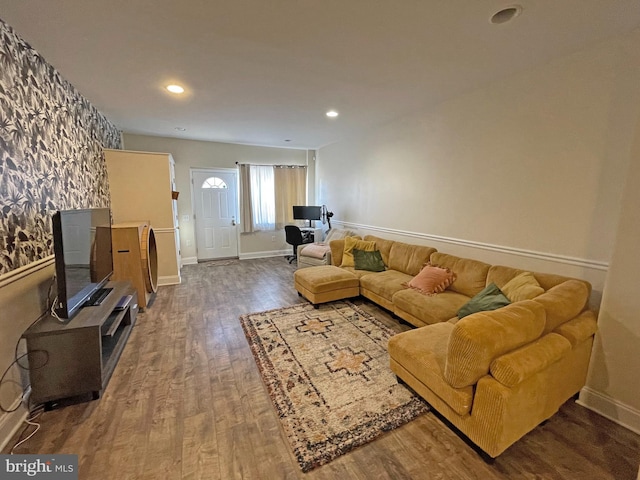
(215, 205)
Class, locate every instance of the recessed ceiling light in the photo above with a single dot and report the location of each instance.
(181, 129)
(175, 88)
(505, 15)
(332, 114)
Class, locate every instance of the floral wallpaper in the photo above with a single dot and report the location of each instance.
(51, 157)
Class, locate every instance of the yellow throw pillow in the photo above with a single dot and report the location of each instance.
(349, 244)
(522, 287)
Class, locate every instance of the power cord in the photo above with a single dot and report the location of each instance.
(37, 410)
(31, 422)
(52, 311)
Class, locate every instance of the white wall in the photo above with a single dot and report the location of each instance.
(612, 386)
(534, 163)
(192, 153)
(529, 172)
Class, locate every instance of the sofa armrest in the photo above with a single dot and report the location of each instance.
(579, 329)
(480, 338)
(514, 367)
(326, 258)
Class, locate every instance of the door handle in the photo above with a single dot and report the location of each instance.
(233, 223)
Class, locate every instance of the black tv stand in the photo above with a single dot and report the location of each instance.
(97, 297)
(77, 358)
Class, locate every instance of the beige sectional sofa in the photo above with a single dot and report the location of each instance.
(495, 375)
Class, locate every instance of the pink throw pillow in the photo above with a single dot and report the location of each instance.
(432, 279)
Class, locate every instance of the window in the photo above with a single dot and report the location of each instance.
(268, 194)
(214, 182)
(263, 197)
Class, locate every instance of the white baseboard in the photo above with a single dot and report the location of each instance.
(265, 254)
(244, 256)
(11, 422)
(169, 280)
(610, 408)
(189, 261)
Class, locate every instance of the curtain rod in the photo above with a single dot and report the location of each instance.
(277, 166)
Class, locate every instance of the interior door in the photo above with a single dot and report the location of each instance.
(215, 194)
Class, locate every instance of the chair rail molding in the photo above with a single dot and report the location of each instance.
(549, 257)
(21, 272)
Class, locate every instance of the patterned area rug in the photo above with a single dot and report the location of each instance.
(327, 372)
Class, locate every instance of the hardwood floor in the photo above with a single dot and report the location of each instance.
(187, 402)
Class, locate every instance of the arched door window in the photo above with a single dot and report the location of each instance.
(214, 182)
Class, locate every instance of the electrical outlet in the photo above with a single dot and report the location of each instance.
(185, 218)
(273, 238)
(188, 242)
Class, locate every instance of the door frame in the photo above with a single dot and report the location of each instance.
(212, 171)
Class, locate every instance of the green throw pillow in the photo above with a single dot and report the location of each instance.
(371, 261)
(490, 298)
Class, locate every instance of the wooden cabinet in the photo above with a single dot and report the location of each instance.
(79, 356)
(141, 186)
(135, 258)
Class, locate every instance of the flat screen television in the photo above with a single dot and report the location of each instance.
(305, 212)
(83, 256)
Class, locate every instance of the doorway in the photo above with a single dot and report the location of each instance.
(215, 205)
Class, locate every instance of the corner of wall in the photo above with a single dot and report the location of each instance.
(610, 408)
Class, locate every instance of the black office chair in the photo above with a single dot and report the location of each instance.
(293, 236)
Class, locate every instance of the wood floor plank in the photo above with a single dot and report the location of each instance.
(187, 401)
(200, 452)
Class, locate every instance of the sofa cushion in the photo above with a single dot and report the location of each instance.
(490, 298)
(500, 275)
(478, 339)
(370, 261)
(429, 309)
(382, 244)
(408, 258)
(422, 353)
(471, 274)
(516, 366)
(337, 247)
(563, 302)
(351, 243)
(523, 286)
(384, 284)
(431, 280)
(357, 273)
(324, 278)
(337, 234)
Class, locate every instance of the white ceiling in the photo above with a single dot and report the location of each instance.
(265, 71)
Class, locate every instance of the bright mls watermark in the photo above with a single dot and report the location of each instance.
(52, 467)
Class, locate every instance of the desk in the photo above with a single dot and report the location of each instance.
(314, 234)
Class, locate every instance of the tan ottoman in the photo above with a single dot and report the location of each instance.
(326, 283)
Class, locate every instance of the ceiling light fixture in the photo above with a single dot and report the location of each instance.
(332, 114)
(175, 89)
(505, 15)
(181, 129)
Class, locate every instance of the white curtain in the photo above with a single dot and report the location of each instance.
(263, 204)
